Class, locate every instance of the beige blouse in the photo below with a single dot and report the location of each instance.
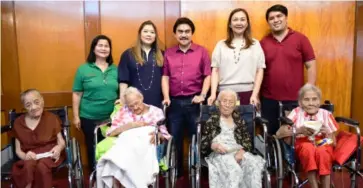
(237, 75)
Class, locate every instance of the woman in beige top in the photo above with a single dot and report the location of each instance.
(238, 61)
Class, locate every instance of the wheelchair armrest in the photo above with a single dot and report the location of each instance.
(347, 121)
(260, 120)
(285, 120)
(6, 128)
(107, 123)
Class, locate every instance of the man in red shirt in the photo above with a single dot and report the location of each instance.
(286, 53)
(185, 83)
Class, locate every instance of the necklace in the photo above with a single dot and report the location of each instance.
(236, 59)
(152, 74)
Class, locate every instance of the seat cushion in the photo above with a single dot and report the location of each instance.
(345, 147)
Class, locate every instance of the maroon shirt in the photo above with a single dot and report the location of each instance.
(284, 73)
(186, 71)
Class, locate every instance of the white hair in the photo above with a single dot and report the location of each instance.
(132, 91)
(309, 87)
(26, 92)
(227, 91)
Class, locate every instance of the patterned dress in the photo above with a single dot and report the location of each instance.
(223, 169)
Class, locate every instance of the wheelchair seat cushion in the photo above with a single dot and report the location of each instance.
(345, 147)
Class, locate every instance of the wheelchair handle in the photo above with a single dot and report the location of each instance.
(161, 122)
(285, 120)
(165, 106)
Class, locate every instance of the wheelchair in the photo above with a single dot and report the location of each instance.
(196, 162)
(170, 154)
(73, 157)
(286, 162)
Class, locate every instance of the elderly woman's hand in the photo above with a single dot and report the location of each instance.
(325, 131)
(139, 124)
(306, 131)
(239, 155)
(30, 156)
(218, 148)
(56, 150)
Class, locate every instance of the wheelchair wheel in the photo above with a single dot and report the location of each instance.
(192, 173)
(92, 178)
(77, 164)
(277, 161)
(172, 160)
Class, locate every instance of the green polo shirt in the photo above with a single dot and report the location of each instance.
(100, 90)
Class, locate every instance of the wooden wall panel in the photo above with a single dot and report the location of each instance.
(357, 89)
(50, 37)
(333, 43)
(4, 137)
(10, 76)
(172, 13)
(92, 22)
(120, 20)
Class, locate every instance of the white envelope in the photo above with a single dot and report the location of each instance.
(43, 155)
(315, 125)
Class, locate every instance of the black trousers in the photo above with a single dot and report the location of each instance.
(270, 110)
(88, 126)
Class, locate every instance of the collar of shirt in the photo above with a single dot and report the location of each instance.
(310, 117)
(192, 48)
(290, 32)
(93, 65)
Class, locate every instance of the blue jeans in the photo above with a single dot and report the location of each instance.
(160, 151)
(182, 115)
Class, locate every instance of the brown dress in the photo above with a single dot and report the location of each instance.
(42, 139)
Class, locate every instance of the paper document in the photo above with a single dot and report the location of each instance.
(43, 155)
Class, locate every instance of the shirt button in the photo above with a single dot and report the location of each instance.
(182, 72)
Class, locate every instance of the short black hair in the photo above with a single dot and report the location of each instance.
(184, 20)
(277, 8)
(92, 56)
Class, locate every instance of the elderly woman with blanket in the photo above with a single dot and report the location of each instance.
(132, 160)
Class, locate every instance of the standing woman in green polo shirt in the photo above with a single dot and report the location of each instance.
(95, 90)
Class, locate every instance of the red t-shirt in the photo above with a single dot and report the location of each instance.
(284, 73)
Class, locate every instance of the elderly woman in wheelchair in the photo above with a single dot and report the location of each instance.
(315, 135)
(132, 160)
(226, 144)
(38, 143)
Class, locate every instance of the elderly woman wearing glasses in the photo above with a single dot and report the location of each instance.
(226, 144)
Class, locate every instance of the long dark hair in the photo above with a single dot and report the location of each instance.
(247, 33)
(92, 56)
(136, 50)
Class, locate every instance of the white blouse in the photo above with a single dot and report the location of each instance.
(237, 67)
